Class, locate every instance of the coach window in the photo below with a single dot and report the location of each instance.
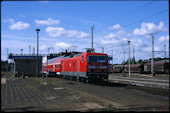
(82, 59)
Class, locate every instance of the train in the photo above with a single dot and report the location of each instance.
(87, 66)
(162, 66)
(117, 68)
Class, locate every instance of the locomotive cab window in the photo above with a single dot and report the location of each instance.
(92, 58)
(98, 59)
(101, 58)
(82, 59)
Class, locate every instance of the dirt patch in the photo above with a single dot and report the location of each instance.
(3, 80)
(90, 106)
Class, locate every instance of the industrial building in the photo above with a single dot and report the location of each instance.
(26, 64)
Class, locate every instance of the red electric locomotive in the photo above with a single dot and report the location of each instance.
(81, 65)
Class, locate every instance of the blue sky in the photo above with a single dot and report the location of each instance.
(68, 23)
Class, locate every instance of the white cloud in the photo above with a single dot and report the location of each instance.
(114, 39)
(43, 47)
(19, 26)
(150, 28)
(61, 45)
(11, 21)
(137, 42)
(59, 31)
(163, 39)
(115, 27)
(47, 22)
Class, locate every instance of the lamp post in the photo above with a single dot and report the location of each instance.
(21, 52)
(37, 66)
(129, 57)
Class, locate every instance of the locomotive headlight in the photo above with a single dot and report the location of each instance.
(91, 67)
(102, 67)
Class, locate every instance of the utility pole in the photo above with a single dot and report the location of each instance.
(152, 62)
(48, 51)
(7, 60)
(47, 70)
(133, 62)
(169, 54)
(30, 49)
(123, 71)
(102, 49)
(22, 52)
(92, 27)
(37, 62)
(129, 57)
(33, 51)
(112, 56)
(165, 52)
(124, 58)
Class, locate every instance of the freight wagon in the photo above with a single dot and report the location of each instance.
(159, 67)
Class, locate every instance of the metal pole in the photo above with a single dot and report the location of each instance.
(169, 58)
(129, 57)
(48, 51)
(21, 51)
(37, 66)
(7, 60)
(30, 49)
(112, 56)
(92, 36)
(102, 49)
(47, 71)
(42, 72)
(152, 62)
(133, 56)
(124, 65)
(33, 51)
(165, 52)
(124, 58)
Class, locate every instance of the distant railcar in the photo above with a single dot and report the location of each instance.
(117, 68)
(159, 67)
(135, 68)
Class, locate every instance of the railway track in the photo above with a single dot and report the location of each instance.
(145, 82)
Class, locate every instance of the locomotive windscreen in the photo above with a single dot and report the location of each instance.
(97, 59)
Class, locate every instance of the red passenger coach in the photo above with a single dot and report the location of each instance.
(80, 65)
(54, 65)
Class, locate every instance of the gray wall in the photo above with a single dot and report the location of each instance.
(26, 66)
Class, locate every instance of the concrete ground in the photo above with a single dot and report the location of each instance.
(31, 94)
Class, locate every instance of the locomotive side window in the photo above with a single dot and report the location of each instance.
(82, 59)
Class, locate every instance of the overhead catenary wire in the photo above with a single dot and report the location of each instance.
(133, 11)
(146, 17)
(130, 13)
